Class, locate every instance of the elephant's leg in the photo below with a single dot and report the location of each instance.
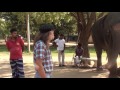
(113, 71)
(99, 62)
(112, 65)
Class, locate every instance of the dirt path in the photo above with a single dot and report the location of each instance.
(59, 72)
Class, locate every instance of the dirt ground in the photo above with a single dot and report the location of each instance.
(59, 72)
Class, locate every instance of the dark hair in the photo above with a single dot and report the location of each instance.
(13, 30)
(61, 35)
(44, 33)
(46, 27)
(79, 44)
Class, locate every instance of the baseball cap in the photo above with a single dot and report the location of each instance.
(44, 28)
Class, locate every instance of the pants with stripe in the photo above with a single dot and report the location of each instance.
(17, 68)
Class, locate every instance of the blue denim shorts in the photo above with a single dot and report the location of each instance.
(48, 75)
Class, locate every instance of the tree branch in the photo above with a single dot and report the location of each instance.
(90, 22)
(101, 14)
(82, 17)
(74, 15)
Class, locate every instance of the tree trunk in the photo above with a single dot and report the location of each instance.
(84, 40)
(67, 37)
(86, 50)
(28, 32)
(84, 24)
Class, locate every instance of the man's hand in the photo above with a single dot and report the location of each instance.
(54, 44)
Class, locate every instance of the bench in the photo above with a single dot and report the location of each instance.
(87, 59)
(90, 59)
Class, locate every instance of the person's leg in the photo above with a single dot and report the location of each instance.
(59, 57)
(63, 57)
(20, 68)
(14, 68)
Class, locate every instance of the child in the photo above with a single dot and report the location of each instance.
(78, 53)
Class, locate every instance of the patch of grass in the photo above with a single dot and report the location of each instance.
(69, 51)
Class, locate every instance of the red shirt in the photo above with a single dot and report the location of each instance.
(15, 47)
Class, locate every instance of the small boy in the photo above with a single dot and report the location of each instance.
(78, 53)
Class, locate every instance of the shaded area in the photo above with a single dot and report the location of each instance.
(59, 72)
(70, 72)
(5, 70)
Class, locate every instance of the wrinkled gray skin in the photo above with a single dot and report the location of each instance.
(106, 36)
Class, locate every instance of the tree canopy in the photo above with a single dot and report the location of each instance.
(18, 20)
(69, 23)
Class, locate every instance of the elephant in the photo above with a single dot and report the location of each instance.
(106, 36)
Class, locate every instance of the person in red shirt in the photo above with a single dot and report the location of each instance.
(15, 45)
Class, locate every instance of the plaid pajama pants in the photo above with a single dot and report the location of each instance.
(17, 68)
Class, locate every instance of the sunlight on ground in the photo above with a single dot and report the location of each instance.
(59, 72)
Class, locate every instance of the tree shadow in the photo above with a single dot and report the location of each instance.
(29, 70)
(70, 72)
(59, 72)
(5, 70)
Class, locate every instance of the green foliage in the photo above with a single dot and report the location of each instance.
(18, 20)
(63, 21)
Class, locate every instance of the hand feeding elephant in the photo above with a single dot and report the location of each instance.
(106, 36)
